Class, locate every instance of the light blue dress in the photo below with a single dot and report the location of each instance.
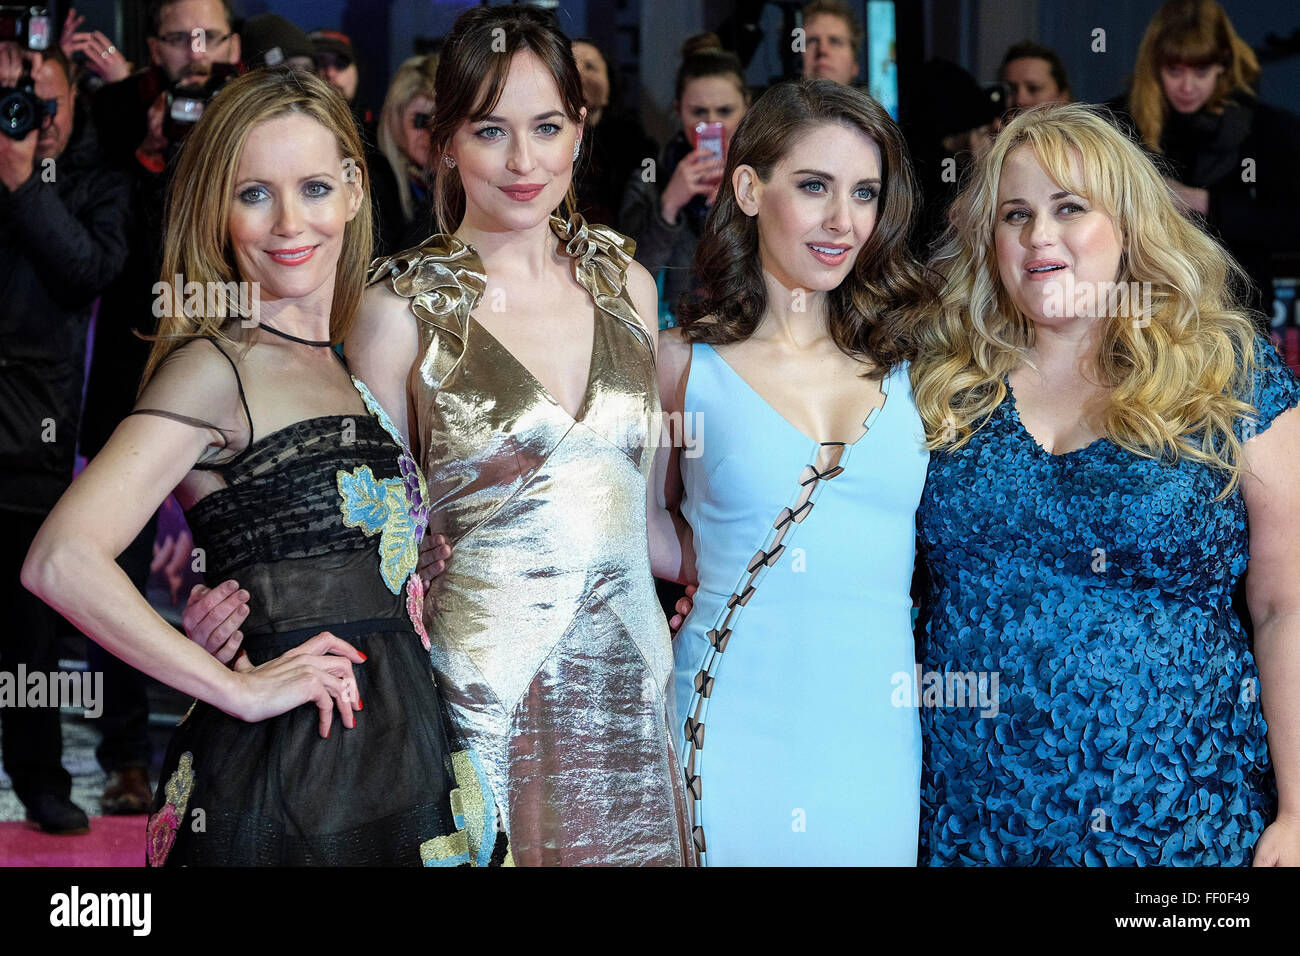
(797, 660)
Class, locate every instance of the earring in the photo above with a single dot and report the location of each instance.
(448, 161)
(577, 148)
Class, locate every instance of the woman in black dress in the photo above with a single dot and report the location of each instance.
(294, 480)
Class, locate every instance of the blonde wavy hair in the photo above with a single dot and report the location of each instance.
(413, 78)
(196, 237)
(1177, 380)
(1195, 32)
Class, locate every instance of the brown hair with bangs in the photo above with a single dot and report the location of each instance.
(871, 313)
(1197, 33)
(472, 72)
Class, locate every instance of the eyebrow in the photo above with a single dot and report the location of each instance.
(267, 182)
(1051, 198)
(502, 119)
(823, 175)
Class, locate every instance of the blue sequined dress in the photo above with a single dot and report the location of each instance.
(1096, 587)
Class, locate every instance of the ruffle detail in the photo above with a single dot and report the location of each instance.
(444, 278)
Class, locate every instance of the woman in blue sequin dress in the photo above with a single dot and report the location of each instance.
(1107, 461)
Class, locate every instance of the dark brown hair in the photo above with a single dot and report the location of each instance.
(871, 313)
(703, 55)
(1029, 50)
(472, 73)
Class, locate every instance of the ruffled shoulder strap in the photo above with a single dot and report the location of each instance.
(602, 257)
(444, 280)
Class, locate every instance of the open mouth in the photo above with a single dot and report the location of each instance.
(831, 255)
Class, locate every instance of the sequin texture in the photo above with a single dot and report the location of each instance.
(1098, 586)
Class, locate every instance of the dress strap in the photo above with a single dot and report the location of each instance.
(239, 383)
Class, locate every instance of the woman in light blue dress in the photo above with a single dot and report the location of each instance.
(796, 467)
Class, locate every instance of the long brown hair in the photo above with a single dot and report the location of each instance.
(1195, 32)
(196, 243)
(472, 73)
(871, 312)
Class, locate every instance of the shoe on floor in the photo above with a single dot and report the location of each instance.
(127, 792)
(57, 814)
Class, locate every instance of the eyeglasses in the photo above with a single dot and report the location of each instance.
(178, 41)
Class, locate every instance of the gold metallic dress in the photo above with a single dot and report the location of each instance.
(549, 644)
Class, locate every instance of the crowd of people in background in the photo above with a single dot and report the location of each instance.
(90, 240)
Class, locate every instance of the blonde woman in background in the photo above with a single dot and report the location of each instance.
(404, 141)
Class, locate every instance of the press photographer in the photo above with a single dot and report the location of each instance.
(63, 240)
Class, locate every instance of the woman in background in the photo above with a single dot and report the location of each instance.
(665, 216)
(1232, 160)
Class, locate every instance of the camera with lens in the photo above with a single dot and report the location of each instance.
(30, 26)
(21, 110)
(187, 99)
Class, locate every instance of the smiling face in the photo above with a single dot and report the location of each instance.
(290, 206)
(1050, 241)
(516, 164)
(1029, 80)
(817, 209)
(1187, 87)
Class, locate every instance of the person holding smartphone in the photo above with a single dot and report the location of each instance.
(666, 215)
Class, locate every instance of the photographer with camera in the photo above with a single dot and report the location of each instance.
(63, 240)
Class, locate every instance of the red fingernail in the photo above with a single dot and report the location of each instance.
(360, 706)
(361, 655)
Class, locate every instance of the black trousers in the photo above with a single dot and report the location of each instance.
(29, 736)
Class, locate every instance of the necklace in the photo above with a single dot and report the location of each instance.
(292, 338)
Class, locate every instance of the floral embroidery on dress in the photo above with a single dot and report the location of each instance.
(415, 607)
(395, 508)
(381, 506)
(417, 492)
(164, 825)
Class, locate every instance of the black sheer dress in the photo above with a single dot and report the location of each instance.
(320, 522)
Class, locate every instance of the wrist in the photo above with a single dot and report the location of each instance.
(669, 210)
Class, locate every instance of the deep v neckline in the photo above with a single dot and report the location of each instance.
(867, 421)
(584, 405)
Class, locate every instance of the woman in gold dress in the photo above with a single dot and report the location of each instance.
(514, 355)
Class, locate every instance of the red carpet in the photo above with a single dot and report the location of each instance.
(112, 841)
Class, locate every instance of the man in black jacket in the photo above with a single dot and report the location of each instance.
(63, 239)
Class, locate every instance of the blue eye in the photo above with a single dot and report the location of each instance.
(482, 134)
(808, 185)
(548, 129)
(1071, 207)
(1011, 217)
(253, 194)
(317, 189)
(871, 193)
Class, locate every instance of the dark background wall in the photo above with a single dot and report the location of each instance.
(643, 37)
